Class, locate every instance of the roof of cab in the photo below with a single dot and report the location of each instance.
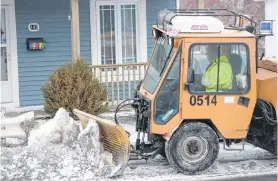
(226, 33)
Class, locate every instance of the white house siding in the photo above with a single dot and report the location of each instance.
(271, 8)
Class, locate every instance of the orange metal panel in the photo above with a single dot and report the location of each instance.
(231, 120)
(267, 86)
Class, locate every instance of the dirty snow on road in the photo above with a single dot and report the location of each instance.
(62, 153)
(57, 150)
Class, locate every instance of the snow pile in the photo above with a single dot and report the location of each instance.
(61, 129)
(58, 150)
(19, 126)
(14, 130)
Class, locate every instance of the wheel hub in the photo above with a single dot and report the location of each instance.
(195, 149)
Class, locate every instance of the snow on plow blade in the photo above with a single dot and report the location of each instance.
(114, 139)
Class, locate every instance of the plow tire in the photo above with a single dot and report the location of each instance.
(194, 147)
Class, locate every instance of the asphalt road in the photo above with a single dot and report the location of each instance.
(254, 178)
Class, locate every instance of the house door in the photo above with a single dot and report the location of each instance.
(117, 30)
(6, 79)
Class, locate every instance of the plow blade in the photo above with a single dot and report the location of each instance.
(114, 139)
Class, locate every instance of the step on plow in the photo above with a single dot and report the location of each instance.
(114, 139)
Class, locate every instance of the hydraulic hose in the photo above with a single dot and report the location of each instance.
(120, 106)
(267, 111)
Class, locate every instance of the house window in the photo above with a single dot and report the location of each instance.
(117, 27)
(229, 75)
(107, 34)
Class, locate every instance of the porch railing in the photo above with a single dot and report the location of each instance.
(120, 80)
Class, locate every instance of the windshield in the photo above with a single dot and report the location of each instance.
(160, 59)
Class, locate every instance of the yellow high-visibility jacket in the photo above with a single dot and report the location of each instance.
(209, 79)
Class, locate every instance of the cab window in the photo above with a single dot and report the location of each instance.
(167, 99)
(219, 68)
(162, 54)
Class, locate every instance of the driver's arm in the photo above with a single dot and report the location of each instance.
(210, 77)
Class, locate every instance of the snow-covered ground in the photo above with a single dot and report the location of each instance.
(65, 159)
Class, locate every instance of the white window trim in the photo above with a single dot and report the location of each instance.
(13, 54)
(177, 4)
(7, 2)
(142, 27)
(98, 40)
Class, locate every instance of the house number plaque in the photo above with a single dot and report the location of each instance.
(33, 27)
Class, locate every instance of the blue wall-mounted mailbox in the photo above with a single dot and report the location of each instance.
(35, 43)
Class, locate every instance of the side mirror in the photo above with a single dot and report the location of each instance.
(190, 75)
(250, 28)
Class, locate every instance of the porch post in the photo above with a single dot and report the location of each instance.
(201, 4)
(75, 34)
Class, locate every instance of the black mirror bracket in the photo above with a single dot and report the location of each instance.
(190, 75)
(186, 86)
(190, 78)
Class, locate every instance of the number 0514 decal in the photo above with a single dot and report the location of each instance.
(200, 100)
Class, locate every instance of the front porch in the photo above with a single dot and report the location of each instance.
(108, 35)
(120, 79)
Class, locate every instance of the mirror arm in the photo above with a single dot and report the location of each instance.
(186, 86)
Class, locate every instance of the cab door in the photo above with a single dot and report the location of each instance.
(166, 107)
(226, 100)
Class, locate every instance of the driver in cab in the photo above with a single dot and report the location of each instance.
(209, 79)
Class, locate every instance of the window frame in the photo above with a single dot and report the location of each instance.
(179, 51)
(118, 54)
(248, 69)
(153, 51)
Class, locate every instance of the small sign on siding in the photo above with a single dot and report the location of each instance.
(33, 27)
